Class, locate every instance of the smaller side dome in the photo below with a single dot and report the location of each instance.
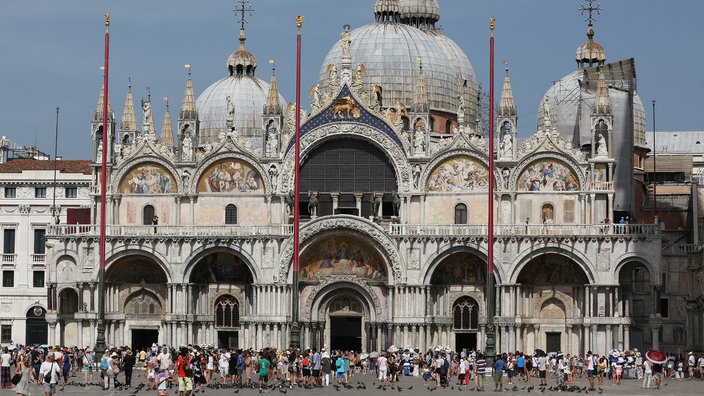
(422, 14)
(242, 62)
(590, 53)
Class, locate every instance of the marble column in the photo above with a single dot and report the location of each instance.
(609, 338)
(358, 203)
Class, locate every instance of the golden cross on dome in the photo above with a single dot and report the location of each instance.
(591, 9)
(245, 7)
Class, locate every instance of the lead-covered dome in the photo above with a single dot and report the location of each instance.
(247, 93)
(391, 53)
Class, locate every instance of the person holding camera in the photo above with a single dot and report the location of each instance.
(49, 375)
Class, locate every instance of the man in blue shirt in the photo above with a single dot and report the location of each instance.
(316, 368)
(499, 366)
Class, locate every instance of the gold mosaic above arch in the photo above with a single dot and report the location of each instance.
(230, 175)
(547, 175)
(148, 178)
(459, 174)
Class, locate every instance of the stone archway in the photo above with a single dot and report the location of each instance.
(362, 233)
(635, 302)
(343, 312)
(550, 300)
(36, 330)
(136, 286)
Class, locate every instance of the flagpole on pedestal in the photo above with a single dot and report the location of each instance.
(295, 341)
(490, 281)
(100, 343)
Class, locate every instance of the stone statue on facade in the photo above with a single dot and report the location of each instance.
(274, 176)
(546, 114)
(345, 41)
(230, 109)
(333, 81)
(460, 106)
(99, 152)
(506, 145)
(147, 109)
(416, 175)
(601, 148)
(419, 137)
(272, 140)
(187, 147)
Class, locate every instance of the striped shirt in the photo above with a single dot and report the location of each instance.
(481, 366)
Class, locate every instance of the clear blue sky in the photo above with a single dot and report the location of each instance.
(52, 51)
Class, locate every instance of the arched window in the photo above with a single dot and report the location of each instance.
(147, 215)
(448, 126)
(461, 214)
(227, 312)
(432, 124)
(231, 214)
(465, 314)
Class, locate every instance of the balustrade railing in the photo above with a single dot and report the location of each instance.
(286, 230)
(171, 230)
(524, 230)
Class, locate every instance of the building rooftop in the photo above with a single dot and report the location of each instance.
(63, 166)
(676, 142)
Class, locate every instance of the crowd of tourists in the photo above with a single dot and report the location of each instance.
(190, 368)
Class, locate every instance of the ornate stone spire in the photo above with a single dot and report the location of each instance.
(273, 105)
(167, 134)
(188, 108)
(602, 105)
(421, 97)
(507, 106)
(387, 11)
(129, 119)
(99, 110)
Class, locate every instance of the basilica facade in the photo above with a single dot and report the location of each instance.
(394, 207)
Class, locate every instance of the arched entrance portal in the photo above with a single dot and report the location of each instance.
(551, 305)
(221, 283)
(345, 315)
(136, 286)
(636, 302)
(457, 284)
(37, 331)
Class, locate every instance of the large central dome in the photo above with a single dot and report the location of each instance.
(392, 48)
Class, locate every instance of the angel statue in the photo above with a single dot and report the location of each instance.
(316, 97)
(333, 80)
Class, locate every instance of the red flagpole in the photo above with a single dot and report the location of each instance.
(295, 330)
(100, 340)
(491, 149)
(490, 281)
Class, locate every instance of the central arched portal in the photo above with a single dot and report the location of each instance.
(345, 314)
